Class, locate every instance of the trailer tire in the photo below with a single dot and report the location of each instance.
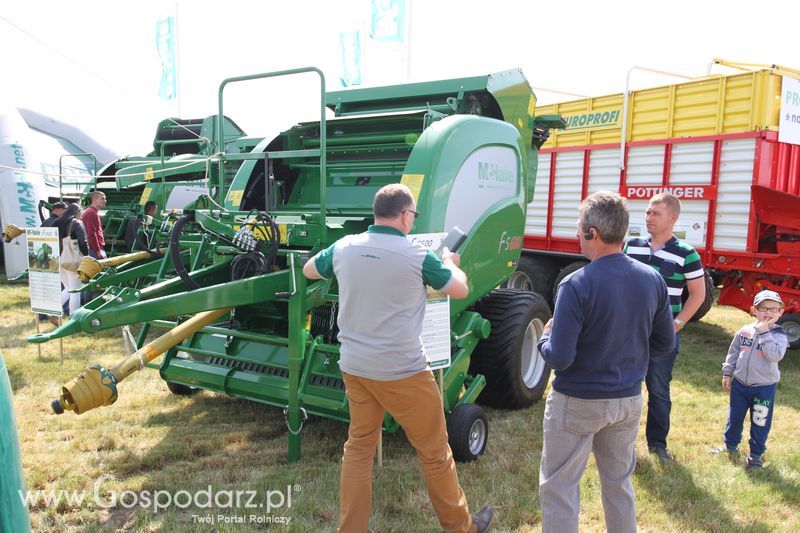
(535, 274)
(467, 432)
(181, 390)
(566, 271)
(791, 324)
(708, 302)
(516, 375)
(717, 277)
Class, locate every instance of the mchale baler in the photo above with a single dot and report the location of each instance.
(467, 148)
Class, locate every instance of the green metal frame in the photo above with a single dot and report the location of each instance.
(321, 152)
(91, 183)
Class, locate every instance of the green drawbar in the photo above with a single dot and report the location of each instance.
(13, 513)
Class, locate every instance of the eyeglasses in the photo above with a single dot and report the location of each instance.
(416, 213)
(769, 309)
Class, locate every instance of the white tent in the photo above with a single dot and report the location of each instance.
(31, 148)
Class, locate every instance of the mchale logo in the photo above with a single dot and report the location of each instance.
(495, 172)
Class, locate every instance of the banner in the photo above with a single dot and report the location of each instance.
(374, 50)
(388, 21)
(387, 42)
(166, 39)
(44, 280)
(352, 66)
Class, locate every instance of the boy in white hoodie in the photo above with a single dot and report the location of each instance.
(751, 374)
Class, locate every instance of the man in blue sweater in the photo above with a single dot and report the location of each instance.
(610, 318)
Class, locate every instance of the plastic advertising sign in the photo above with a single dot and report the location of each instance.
(436, 325)
(43, 277)
(789, 125)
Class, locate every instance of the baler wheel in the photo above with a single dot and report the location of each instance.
(181, 390)
(791, 323)
(467, 432)
(516, 375)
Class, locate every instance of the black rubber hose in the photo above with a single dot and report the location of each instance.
(175, 251)
(249, 264)
(42, 218)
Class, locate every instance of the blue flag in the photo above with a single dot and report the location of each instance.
(350, 44)
(165, 44)
(388, 20)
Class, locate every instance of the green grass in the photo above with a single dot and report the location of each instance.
(152, 440)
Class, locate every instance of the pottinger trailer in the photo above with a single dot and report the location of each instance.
(717, 143)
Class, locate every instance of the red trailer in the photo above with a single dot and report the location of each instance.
(724, 144)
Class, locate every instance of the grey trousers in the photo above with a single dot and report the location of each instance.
(573, 427)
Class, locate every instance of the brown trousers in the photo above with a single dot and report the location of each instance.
(416, 404)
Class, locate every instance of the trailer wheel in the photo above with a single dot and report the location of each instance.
(533, 274)
(566, 271)
(791, 323)
(516, 375)
(181, 390)
(705, 307)
(467, 432)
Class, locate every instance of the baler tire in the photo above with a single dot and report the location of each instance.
(467, 432)
(708, 301)
(516, 375)
(535, 274)
(563, 273)
(181, 390)
(791, 323)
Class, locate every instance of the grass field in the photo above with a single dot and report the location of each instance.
(151, 440)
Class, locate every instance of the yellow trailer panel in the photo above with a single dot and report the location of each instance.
(712, 105)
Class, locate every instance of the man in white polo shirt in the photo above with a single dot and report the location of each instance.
(382, 294)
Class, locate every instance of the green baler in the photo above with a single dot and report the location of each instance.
(173, 174)
(466, 147)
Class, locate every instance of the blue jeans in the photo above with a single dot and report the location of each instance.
(760, 401)
(659, 405)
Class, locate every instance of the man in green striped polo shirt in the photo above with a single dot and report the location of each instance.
(679, 264)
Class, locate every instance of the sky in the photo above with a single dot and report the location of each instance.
(94, 63)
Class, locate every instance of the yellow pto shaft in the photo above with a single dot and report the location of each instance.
(11, 232)
(95, 386)
(90, 266)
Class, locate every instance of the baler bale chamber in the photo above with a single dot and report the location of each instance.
(467, 148)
